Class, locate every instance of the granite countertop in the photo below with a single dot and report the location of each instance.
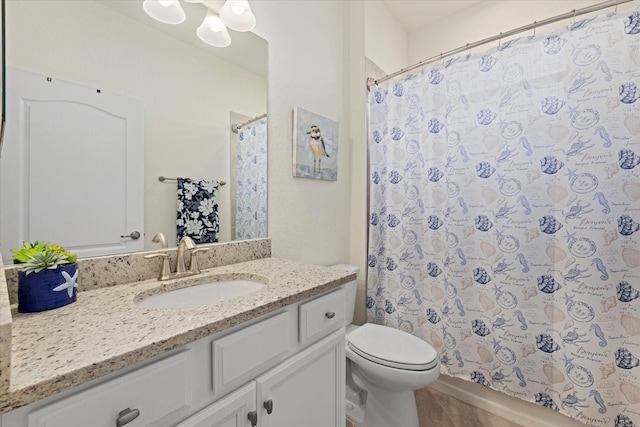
(104, 330)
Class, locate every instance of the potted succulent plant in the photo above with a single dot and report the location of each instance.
(47, 275)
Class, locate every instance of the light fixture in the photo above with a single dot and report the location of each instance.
(212, 31)
(167, 11)
(237, 15)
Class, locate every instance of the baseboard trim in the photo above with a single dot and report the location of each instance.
(515, 410)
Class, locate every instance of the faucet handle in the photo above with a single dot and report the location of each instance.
(165, 272)
(193, 264)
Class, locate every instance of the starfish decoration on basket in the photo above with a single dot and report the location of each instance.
(69, 284)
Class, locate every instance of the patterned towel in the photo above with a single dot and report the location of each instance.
(198, 210)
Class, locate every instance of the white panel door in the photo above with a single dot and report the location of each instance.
(307, 389)
(71, 170)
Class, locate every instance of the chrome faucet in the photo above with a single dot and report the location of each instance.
(185, 245)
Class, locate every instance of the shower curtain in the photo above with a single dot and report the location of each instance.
(504, 216)
(251, 182)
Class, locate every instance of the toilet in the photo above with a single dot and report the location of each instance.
(384, 367)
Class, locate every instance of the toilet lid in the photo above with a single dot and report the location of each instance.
(392, 347)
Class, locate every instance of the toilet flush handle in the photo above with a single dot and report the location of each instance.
(330, 314)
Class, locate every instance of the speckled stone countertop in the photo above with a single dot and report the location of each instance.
(104, 330)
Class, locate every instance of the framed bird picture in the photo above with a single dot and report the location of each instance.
(315, 146)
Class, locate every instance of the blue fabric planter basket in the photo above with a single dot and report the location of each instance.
(36, 291)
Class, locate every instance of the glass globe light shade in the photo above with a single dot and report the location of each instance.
(237, 15)
(213, 32)
(166, 11)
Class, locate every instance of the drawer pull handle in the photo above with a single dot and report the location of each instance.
(268, 405)
(330, 315)
(126, 416)
(253, 417)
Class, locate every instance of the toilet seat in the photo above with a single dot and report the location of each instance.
(392, 348)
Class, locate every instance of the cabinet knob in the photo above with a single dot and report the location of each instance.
(330, 315)
(268, 405)
(253, 417)
(126, 416)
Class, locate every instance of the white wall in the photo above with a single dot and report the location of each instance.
(483, 20)
(187, 94)
(308, 57)
(358, 137)
(387, 42)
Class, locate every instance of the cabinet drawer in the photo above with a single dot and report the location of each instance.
(321, 316)
(240, 356)
(158, 391)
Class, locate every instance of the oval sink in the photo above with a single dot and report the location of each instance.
(203, 294)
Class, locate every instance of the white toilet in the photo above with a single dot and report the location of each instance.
(384, 367)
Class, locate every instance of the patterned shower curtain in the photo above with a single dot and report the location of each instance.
(505, 216)
(251, 182)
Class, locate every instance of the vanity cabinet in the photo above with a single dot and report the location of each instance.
(305, 390)
(230, 411)
(285, 369)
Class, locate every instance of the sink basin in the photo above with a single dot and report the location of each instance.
(203, 294)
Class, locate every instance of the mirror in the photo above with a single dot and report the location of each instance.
(189, 90)
(2, 74)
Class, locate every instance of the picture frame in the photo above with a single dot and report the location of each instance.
(315, 146)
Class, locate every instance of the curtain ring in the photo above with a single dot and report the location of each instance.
(442, 58)
(468, 50)
(500, 40)
(535, 23)
(574, 17)
(615, 11)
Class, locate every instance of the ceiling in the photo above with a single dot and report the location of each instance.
(417, 14)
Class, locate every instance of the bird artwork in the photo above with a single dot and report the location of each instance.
(317, 147)
(316, 138)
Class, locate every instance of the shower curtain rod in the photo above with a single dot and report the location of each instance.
(236, 128)
(572, 14)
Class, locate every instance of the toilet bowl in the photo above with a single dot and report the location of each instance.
(384, 367)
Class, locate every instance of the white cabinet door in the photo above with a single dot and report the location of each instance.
(71, 170)
(231, 411)
(307, 389)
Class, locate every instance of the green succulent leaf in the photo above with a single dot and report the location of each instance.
(48, 259)
(34, 254)
(71, 258)
(27, 251)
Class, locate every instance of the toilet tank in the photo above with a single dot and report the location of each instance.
(350, 303)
